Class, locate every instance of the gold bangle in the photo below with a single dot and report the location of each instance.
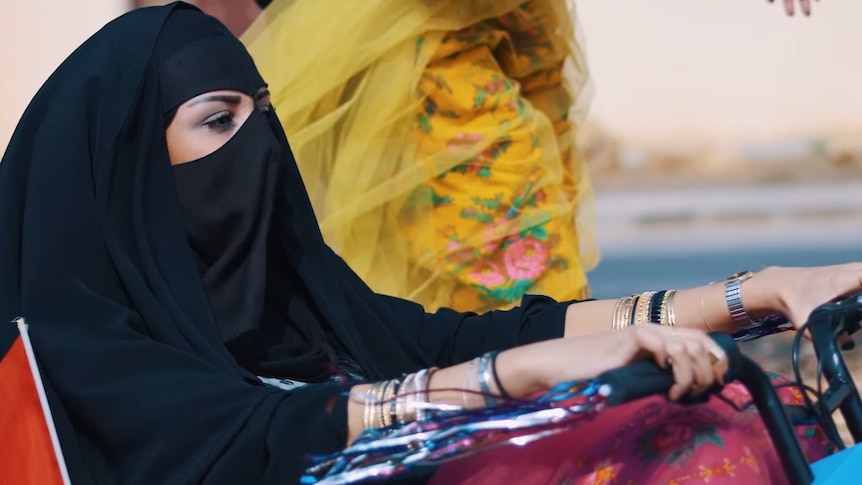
(615, 319)
(381, 405)
(628, 316)
(371, 403)
(671, 313)
(629, 312)
(403, 399)
(664, 313)
(366, 417)
(662, 319)
(642, 310)
(622, 311)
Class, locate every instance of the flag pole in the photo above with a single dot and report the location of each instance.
(43, 399)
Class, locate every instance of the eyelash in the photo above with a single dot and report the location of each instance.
(221, 122)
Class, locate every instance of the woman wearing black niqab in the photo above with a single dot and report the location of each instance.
(186, 313)
(140, 325)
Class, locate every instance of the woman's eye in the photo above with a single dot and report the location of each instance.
(266, 108)
(222, 121)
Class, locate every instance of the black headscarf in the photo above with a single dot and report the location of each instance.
(227, 199)
(148, 382)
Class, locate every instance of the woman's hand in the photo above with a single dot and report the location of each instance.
(697, 361)
(788, 6)
(796, 292)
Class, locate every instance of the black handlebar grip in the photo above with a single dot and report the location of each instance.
(645, 378)
(850, 308)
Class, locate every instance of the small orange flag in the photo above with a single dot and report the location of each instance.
(29, 448)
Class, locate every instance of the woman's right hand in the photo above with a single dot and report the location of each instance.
(696, 360)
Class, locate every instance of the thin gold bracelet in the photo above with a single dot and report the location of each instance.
(703, 315)
(402, 400)
(671, 313)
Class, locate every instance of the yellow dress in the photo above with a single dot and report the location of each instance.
(437, 141)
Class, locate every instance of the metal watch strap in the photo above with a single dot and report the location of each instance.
(733, 296)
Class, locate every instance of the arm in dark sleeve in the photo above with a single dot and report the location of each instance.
(449, 337)
(144, 412)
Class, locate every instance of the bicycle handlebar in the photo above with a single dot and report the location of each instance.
(826, 322)
(645, 378)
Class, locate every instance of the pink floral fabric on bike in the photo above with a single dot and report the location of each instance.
(648, 442)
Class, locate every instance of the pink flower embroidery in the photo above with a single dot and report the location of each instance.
(526, 259)
(495, 86)
(463, 139)
(488, 274)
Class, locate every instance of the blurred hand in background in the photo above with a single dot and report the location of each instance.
(788, 6)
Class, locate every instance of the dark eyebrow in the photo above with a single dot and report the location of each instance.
(261, 94)
(224, 98)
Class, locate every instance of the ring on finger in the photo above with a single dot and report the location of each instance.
(716, 354)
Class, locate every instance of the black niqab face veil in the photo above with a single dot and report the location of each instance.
(227, 200)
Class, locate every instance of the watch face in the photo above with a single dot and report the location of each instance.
(742, 275)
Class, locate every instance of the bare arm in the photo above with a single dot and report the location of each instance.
(794, 292)
(529, 368)
(592, 317)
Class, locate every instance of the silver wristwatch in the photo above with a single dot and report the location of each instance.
(733, 296)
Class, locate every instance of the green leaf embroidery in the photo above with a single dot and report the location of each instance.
(437, 200)
(479, 100)
(424, 123)
(538, 232)
(476, 216)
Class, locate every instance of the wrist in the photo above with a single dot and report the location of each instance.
(760, 293)
(516, 373)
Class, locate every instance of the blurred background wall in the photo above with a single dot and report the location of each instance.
(35, 37)
(714, 82)
(729, 71)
